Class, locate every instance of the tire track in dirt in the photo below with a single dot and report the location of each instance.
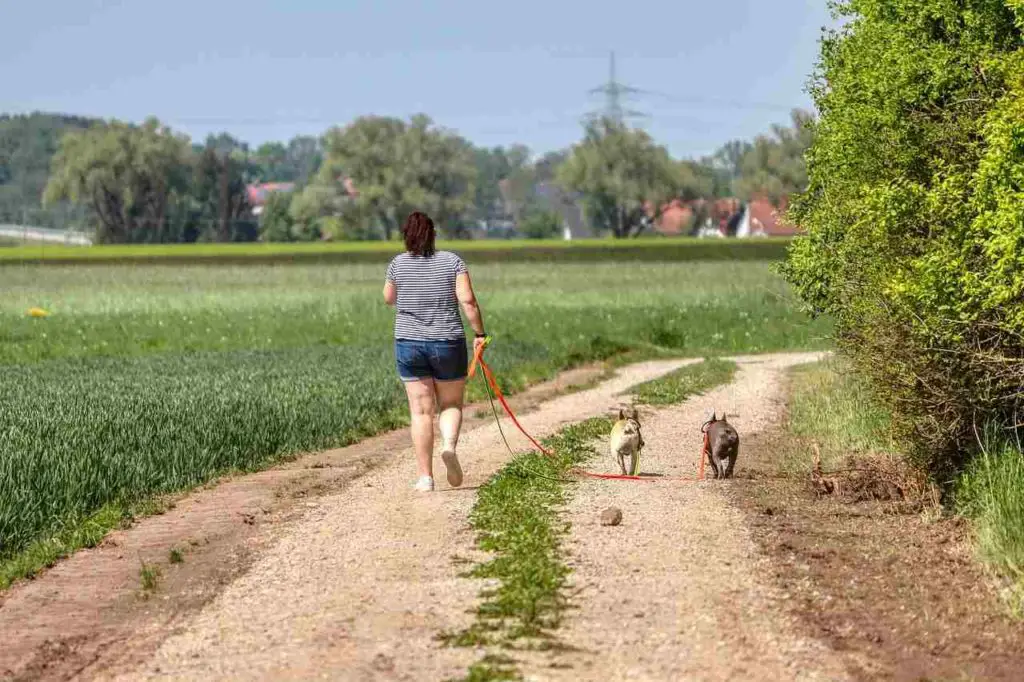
(360, 585)
(679, 590)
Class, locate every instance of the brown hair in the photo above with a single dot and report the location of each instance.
(418, 231)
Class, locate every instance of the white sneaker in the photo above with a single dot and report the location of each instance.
(424, 485)
(451, 462)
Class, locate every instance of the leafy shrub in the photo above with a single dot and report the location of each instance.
(541, 225)
(914, 213)
(276, 223)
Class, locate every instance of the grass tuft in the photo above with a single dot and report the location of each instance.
(991, 494)
(149, 577)
(493, 668)
(685, 382)
(516, 520)
(175, 556)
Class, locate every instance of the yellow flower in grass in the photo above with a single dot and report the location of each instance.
(37, 312)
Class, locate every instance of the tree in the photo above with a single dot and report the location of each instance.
(773, 166)
(724, 168)
(622, 176)
(222, 171)
(129, 176)
(696, 181)
(400, 167)
(317, 212)
(271, 160)
(28, 143)
(546, 167)
(493, 168)
(297, 162)
(914, 213)
(304, 156)
(276, 220)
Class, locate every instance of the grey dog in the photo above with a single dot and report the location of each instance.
(723, 446)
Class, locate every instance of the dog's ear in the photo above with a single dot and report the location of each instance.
(713, 417)
(622, 414)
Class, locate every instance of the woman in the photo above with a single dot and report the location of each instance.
(427, 287)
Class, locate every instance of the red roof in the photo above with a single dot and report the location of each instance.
(258, 193)
(764, 217)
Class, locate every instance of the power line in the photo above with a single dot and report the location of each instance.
(613, 91)
(726, 104)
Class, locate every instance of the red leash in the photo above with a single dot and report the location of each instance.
(508, 410)
(478, 359)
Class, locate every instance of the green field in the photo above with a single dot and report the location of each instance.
(151, 379)
(646, 249)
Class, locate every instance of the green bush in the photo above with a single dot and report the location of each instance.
(914, 213)
(276, 223)
(541, 225)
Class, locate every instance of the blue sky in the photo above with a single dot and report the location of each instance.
(496, 73)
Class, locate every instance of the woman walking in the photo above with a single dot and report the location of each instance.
(427, 287)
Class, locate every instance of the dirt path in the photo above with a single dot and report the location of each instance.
(679, 591)
(360, 585)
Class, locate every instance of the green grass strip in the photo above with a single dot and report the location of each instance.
(677, 386)
(516, 520)
(651, 248)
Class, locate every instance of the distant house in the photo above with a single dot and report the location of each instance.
(765, 219)
(727, 217)
(680, 218)
(676, 219)
(259, 193)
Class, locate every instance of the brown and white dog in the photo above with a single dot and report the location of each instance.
(626, 441)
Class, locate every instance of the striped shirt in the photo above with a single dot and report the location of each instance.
(428, 309)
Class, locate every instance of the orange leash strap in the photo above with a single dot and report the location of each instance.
(478, 361)
(508, 410)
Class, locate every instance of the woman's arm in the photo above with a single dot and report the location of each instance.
(467, 299)
(390, 292)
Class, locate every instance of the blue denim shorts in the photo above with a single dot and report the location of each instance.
(437, 360)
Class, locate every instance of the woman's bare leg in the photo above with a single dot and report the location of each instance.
(421, 413)
(450, 399)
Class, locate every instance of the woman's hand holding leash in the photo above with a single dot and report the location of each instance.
(479, 344)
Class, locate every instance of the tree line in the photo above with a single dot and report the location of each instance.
(132, 183)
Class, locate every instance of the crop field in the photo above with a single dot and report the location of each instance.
(148, 379)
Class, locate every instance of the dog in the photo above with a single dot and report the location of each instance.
(723, 445)
(626, 441)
